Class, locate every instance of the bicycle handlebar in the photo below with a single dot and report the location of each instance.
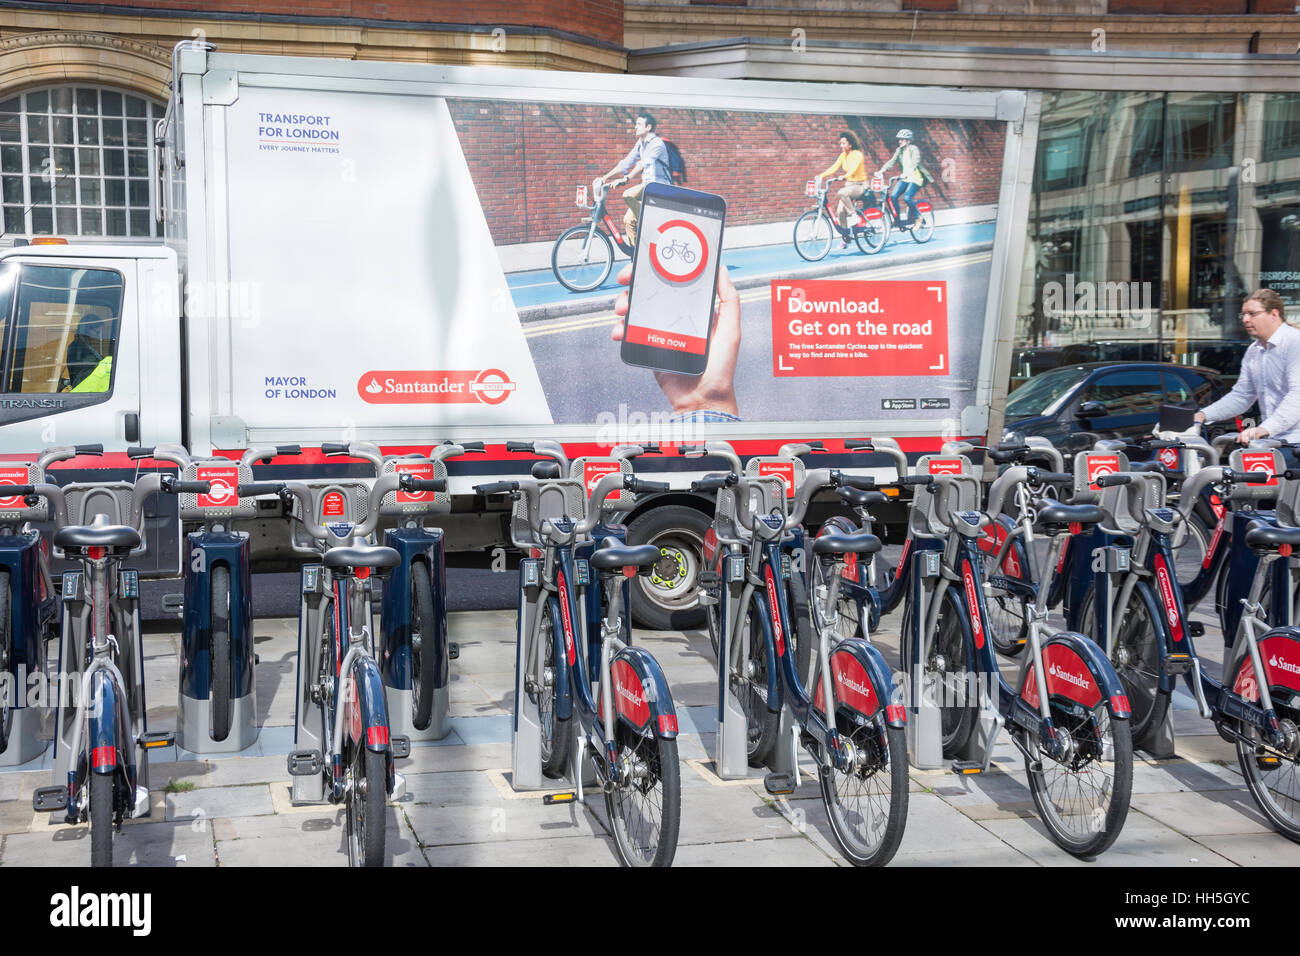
(171, 486)
(1106, 481)
(64, 452)
(50, 492)
(715, 482)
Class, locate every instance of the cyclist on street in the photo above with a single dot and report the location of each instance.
(853, 168)
(649, 156)
(908, 157)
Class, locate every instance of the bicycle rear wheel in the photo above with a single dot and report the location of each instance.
(367, 793)
(645, 808)
(867, 802)
(872, 236)
(219, 657)
(813, 235)
(557, 734)
(422, 649)
(1083, 797)
(751, 688)
(581, 265)
(923, 230)
(1273, 775)
(1136, 656)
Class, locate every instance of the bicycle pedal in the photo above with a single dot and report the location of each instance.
(153, 741)
(551, 799)
(49, 799)
(967, 768)
(1196, 628)
(453, 650)
(1268, 762)
(1175, 664)
(304, 763)
(401, 745)
(779, 784)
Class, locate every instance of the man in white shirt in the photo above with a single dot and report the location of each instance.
(649, 157)
(1270, 373)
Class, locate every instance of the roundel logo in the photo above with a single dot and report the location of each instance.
(1259, 461)
(679, 252)
(492, 386)
(13, 476)
(1169, 457)
(1099, 465)
(224, 481)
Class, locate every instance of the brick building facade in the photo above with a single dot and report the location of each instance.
(527, 159)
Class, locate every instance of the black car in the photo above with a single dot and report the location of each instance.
(1076, 405)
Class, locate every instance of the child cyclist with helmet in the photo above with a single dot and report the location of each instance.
(908, 157)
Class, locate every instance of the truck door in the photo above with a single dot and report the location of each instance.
(69, 359)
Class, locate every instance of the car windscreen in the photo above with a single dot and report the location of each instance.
(1038, 394)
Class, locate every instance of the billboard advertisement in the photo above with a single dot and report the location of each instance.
(795, 266)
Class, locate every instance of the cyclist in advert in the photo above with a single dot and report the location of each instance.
(853, 169)
(908, 157)
(649, 156)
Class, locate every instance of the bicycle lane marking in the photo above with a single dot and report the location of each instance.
(762, 293)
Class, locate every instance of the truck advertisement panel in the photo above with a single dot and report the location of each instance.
(855, 258)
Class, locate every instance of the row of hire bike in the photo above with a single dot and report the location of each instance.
(1123, 551)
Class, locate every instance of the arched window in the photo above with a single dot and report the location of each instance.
(77, 161)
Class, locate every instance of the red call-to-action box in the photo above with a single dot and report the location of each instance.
(824, 327)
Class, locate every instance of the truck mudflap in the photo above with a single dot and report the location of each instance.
(642, 698)
(368, 711)
(1077, 671)
(1279, 649)
(863, 683)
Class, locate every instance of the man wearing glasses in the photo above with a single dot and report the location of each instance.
(1270, 373)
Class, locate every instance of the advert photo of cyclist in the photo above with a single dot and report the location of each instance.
(908, 159)
(851, 166)
(647, 158)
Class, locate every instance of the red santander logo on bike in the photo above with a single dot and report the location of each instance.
(224, 479)
(1099, 465)
(14, 475)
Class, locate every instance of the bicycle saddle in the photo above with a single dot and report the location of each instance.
(98, 534)
(362, 556)
(1264, 537)
(857, 498)
(545, 470)
(1056, 513)
(612, 555)
(835, 543)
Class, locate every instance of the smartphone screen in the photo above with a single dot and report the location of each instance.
(674, 279)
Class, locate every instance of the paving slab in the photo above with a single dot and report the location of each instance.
(1204, 814)
(314, 840)
(497, 821)
(1142, 842)
(562, 851)
(1253, 849)
(213, 802)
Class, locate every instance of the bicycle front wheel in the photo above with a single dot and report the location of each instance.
(813, 235)
(750, 687)
(1083, 795)
(645, 808)
(366, 795)
(422, 649)
(1272, 774)
(581, 263)
(1190, 556)
(6, 657)
(867, 802)
(220, 654)
(101, 818)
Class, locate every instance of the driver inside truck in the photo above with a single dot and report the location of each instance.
(89, 370)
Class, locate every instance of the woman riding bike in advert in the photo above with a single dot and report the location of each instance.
(853, 168)
(908, 157)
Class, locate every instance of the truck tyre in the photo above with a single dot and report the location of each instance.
(668, 597)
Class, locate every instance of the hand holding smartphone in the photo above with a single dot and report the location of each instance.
(674, 277)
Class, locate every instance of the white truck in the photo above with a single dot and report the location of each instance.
(359, 251)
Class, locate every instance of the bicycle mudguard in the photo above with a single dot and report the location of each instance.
(105, 736)
(368, 717)
(642, 698)
(1079, 672)
(1279, 649)
(863, 683)
(563, 634)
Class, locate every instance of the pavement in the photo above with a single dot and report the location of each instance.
(1189, 811)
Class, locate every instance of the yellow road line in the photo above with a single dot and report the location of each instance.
(765, 292)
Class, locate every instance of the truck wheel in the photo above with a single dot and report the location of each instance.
(668, 597)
